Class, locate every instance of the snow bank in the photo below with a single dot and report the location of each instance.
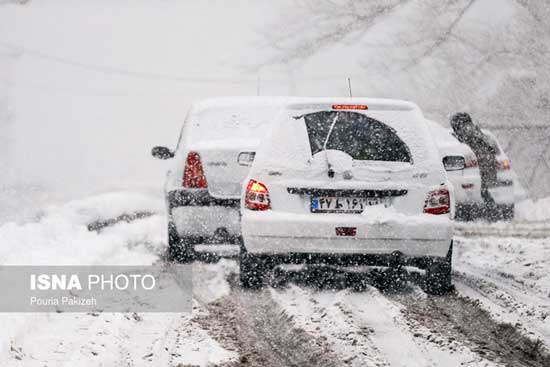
(61, 236)
(509, 276)
(529, 210)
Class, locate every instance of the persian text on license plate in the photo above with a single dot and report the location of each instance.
(330, 204)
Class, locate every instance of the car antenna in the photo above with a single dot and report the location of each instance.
(349, 86)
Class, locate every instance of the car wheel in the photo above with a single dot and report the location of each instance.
(252, 270)
(507, 212)
(438, 275)
(180, 249)
(466, 213)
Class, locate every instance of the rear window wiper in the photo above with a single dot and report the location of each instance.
(330, 171)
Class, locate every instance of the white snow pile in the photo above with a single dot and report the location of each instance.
(61, 235)
(529, 210)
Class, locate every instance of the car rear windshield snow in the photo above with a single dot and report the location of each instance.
(362, 137)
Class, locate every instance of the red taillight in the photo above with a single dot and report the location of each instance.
(257, 196)
(193, 175)
(346, 231)
(438, 202)
(503, 165)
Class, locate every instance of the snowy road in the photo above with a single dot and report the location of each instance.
(497, 317)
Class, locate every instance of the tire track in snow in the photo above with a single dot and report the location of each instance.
(263, 334)
(325, 315)
(456, 318)
(366, 328)
(509, 300)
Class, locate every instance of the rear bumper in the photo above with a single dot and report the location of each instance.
(197, 214)
(467, 190)
(277, 233)
(179, 198)
(421, 262)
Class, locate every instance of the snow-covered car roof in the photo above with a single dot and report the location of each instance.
(255, 102)
(229, 118)
(244, 117)
(377, 104)
(446, 142)
(238, 103)
(297, 102)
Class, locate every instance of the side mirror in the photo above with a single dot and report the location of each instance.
(246, 158)
(162, 153)
(453, 163)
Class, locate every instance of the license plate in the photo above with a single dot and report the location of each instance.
(331, 204)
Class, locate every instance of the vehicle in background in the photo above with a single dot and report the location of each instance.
(348, 182)
(203, 186)
(462, 168)
(503, 193)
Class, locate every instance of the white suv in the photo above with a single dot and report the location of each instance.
(345, 181)
(503, 193)
(203, 186)
(462, 168)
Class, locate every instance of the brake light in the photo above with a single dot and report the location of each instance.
(257, 196)
(193, 175)
(470, 161)
(346, 231)
(350, 107)
(503, 165)
(438, 202)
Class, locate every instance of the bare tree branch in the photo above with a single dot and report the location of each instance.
(444, 37)
(332, 23)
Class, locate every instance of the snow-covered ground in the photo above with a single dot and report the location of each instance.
(60, 236)
(499, 279)
(533, 210)
(508, 273)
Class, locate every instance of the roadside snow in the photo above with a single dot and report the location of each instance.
(60, 236)
(529, 210)
(509, 276)
(116, 339)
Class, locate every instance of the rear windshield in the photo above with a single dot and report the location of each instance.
(362, 137)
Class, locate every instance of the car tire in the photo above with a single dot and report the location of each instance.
(180, 249)
(507, 212)
(466, 213)
(252, 270)
(438, 275)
